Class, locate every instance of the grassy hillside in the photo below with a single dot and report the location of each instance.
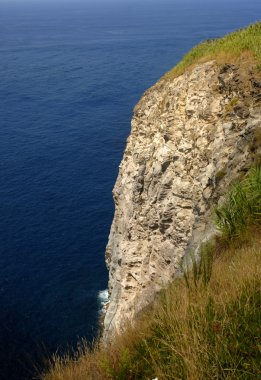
(205, 325)
(243, 45)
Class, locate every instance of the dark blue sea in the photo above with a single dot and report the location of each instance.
(70, 75)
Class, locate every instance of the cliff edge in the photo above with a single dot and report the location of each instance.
(191, 136)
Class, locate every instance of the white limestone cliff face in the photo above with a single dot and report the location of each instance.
(190, 137)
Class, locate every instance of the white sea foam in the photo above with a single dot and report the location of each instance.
(103, 297)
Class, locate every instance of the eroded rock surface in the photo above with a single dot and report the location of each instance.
(191, 136)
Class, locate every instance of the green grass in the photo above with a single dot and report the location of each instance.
(205, 325)
(244, 44)
(242, 206)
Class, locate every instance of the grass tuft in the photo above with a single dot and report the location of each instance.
(242, 206)
(242, 45)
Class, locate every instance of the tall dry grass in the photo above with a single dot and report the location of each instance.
(197, 329)
(202, 332)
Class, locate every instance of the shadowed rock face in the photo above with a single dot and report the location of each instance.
(190, 138)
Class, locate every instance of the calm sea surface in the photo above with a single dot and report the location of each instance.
(70, 74)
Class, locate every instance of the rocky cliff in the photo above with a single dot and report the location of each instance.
(191, 136)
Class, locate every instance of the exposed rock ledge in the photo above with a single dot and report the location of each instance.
(190, 138)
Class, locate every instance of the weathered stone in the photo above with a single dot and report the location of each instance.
(182, 153)
(241, 111)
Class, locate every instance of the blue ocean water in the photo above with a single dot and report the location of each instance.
(70, 74)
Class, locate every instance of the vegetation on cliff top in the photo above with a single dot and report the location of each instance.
(205, 325)
(243, 45)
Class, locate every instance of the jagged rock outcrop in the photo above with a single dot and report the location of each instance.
(191, 136)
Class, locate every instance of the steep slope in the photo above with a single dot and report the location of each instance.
(191, 136)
